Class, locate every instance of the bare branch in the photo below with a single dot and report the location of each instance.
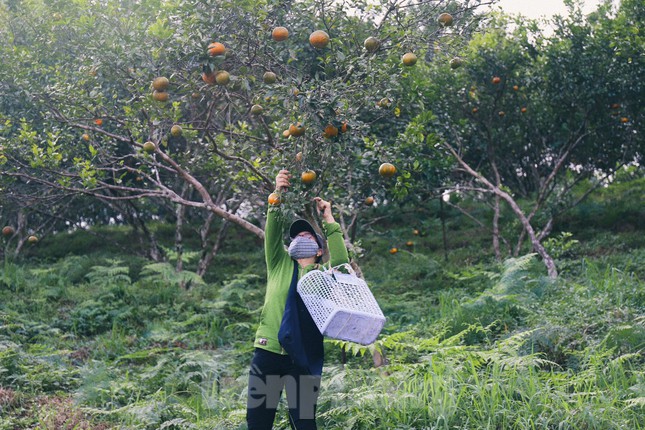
(206, 197)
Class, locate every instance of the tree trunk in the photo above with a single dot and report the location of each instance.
(535, 241)
(379, 359)
(353, 228)
(208, 254)
(520, 241)
(549, 262)
(154, 252)
(537, 246)
(144, 236)
(346, 235)
(20, 235)
(492, 158)
(546, 230)
(496, 210)
(444, 236)
(180, 213)
(205, 259)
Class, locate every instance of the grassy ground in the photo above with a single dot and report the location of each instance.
(110, 341)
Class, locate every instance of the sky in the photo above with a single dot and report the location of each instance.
(542, 8)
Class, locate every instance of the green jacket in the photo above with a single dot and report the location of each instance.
(280, 271)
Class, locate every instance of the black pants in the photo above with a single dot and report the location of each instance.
(269, 374)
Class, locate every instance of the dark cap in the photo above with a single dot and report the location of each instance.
(301, 225)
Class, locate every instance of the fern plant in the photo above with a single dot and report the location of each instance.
(114, 274)
(186, 256)
(164, 274)
(12, 276)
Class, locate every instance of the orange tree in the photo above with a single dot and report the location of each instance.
(84, 112)
(528, 117)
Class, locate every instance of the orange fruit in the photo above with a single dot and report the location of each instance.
(371, 44)
(394, 250)
(501, 113)
(160, 83)
(516, 88)
(523, 110)
(8, 231)
(279, 34)
(256, 109)
(415, 232)
(149, 147)
(296, 130)
(330, 131)
(615, 106)
(344, 127)
(32, 239)
(445, 19)
(209, 78)
(98, 122)
(286, 133)
(496, 80)
(299, 157)
(319, 39)
(369, 201)
(160, 96)
(274, 199)
(269, 78)
(176, 130)
(216, 48)
(222, 77)
(624, 120)
(475, 110)
(409, 243)
(85, 137)
(387, 170)
(308, 176)
(409, 59)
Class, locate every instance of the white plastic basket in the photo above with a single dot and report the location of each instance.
(342, 305)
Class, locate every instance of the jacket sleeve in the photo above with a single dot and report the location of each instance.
(274, 251)
(337, 250)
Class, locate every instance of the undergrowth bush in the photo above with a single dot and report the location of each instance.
(116, 343)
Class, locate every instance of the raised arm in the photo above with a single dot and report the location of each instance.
(273, 247)
(337, 249)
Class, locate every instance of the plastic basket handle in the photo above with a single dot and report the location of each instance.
(347, 266)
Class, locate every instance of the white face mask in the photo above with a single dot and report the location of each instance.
(303, 247)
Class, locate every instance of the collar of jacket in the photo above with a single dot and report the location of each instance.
(308, 268)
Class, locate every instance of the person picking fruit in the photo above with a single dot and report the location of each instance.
(289, 349)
